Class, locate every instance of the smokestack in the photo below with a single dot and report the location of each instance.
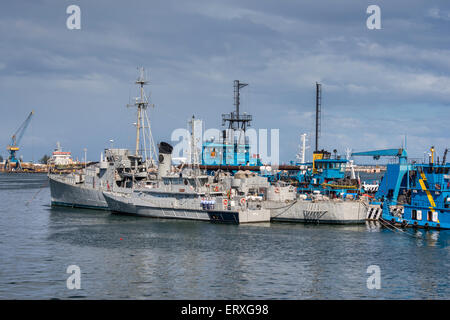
(165, 159)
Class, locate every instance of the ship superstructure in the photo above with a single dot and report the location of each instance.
(233, 147)
(60, 157)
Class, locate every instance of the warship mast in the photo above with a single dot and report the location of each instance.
(237, 121)
(143, 122)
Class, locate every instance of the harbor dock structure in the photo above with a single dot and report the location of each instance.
(25, 167)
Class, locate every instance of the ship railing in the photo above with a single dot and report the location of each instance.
(234, 117)
(415, 161)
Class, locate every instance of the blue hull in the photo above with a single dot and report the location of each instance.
(442, 223)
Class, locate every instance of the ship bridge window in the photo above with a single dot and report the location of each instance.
(419, 214)
(434, 216)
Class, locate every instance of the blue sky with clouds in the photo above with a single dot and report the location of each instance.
(378, 85)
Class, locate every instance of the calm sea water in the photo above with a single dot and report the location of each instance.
(168, 259)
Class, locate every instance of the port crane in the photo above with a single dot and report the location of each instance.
(14, 143)
(376, 154)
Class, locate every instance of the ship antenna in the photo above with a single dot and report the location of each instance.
(302, 154)
(236, 120)
(141, 103)
(318, 112)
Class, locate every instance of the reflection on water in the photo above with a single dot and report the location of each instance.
(142, 258)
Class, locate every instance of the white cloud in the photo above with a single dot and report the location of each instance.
(437, 13)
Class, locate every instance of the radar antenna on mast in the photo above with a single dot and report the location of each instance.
(236, 120)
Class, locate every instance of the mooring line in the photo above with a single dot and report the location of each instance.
(288, 207)
(34, 196)
(394, 227)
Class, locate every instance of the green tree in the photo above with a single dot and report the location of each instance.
(44, 159)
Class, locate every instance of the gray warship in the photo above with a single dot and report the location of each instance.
(84, 188)
(190, 194)
(116, 171)
(286, 205)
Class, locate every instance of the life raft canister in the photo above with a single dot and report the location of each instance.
(216, 188)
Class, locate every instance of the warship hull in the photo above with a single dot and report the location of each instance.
(329, 212)
(75, 195)
(158, 209)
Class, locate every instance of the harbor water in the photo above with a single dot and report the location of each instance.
(124, 257)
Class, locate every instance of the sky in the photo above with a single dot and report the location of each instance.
(378, 86)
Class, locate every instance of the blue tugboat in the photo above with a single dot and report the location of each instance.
(412, 194)
(327, 176)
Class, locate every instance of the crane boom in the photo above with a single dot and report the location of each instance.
(17, 136)
(376, 154)
(393, 182)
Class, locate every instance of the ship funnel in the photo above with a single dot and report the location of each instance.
(165, 159)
